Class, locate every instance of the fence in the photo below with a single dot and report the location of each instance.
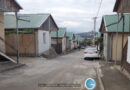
(4, 52)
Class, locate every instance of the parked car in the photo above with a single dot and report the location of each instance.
(82, 47)
(91, 53)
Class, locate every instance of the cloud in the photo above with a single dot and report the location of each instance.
(76, 15)
(69, 24)
(68, 10)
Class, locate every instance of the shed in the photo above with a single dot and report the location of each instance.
(70, 43)
(34, 35)
(112, 36)
(58, 40)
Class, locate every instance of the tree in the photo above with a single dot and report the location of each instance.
(89, 42)
(99, 41)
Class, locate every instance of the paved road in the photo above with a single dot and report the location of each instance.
(66, 69)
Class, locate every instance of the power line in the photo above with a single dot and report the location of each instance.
(99, 8)
(95, 18)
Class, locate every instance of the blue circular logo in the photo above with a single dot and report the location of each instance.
(90, 84)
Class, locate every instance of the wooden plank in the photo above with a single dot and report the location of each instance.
(6, 57)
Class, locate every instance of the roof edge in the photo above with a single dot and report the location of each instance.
(17, 4)
(54, 22)
(116, 5)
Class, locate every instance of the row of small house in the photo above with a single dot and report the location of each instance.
(38, 34)
(115, 30)
(64, 41)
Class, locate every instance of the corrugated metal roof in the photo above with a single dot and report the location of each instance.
(35, 20)
(61, 33)
(110, 19)
(76, 37)
(79, 39)
(98, 34)
(70, 35)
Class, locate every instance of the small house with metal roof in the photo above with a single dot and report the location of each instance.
(58, 40)
(76, 41)
(111, 31)
(123, 6)
(70, 42)
(34, 33)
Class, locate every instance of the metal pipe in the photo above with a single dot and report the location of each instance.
(57, 42)
(35, 42)
(123, 40)
(129, 25)
(117, 40)
(17, 30)
(111, 53)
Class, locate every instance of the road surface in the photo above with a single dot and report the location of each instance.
(65, 69)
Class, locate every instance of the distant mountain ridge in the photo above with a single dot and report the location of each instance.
(86, 35)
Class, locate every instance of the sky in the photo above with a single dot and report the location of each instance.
(75, 15)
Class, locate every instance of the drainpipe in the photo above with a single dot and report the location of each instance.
(17, 30)
(49, 30)
(123, 40)
(111, 46)
(117, 40)
(35, 42)
(57, 41)
(129, 25)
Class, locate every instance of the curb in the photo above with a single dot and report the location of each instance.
(100, 80)
(13, 67)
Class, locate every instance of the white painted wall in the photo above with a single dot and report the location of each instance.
(63, 44)
(105, 39)
(128, 52)
(43, 46)
(72, 45)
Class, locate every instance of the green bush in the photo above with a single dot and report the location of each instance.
(20, 31)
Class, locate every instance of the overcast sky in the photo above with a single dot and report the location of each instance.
(75, 15)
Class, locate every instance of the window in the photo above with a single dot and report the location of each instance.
(44, 38)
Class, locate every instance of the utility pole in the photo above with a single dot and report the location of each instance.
(17, 31)
(94, 32)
